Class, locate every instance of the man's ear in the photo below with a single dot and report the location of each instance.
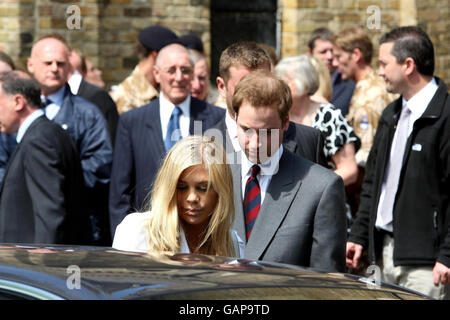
(221, 87)
(156, 74)
(409, 66)
(30, 66)
(357, 55)
(19, 102)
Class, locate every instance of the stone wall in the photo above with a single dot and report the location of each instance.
(301, 17)
(108, 28)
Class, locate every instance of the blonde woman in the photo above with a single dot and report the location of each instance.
(325, 90)
(341, 142)
(192, 206)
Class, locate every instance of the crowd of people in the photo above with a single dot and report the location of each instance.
(316, 160)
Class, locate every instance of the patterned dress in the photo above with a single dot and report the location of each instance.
(133, 92)
(335, 129)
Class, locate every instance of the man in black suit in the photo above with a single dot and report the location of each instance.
(40, 198)
(145, 134)
(236, 61)
(96, 95)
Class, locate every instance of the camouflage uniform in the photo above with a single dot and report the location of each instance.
(368, 102)
(133, 92)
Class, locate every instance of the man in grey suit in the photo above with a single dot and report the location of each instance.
(288, 209)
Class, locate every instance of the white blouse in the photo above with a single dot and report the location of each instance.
(132, 235)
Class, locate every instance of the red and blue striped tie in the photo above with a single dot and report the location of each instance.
(252, 200)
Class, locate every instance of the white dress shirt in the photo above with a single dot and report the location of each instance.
(232, 132)
(165, 110)
(75, 82)
(417, 104)
(268, 170)
(27, 123)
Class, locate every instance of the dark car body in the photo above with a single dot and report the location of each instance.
(98, 273)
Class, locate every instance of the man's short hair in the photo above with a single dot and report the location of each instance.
(413, 42)
(13, 82)
(263, 89)
(355, 38)
(324, 34)
(271, 52)
(247, 54)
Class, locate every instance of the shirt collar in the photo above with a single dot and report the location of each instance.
(57, 97)
(420, 101)
(168, 106)
(27, 123)
(231, 125)
(268, 168)
(75, 82)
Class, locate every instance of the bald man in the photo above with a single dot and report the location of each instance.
(49, 65)
(145, 134)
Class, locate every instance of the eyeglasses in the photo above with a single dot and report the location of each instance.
(184, 70)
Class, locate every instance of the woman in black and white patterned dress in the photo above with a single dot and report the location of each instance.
(341, 142)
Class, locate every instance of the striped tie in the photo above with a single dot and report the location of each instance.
(252, 200)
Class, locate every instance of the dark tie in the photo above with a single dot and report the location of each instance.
(252, 200)
(173, 134)
(45, 102)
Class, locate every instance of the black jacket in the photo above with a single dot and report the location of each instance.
(41, 195)
(421, 209)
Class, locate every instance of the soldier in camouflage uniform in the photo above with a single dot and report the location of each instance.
(140, 87)
(353, 51)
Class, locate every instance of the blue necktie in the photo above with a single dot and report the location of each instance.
(252, 200)
(45, 102)
(173, 134)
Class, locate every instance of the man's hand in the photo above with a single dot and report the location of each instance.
(353, 254)
(441, 274)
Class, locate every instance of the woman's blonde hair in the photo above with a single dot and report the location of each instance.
(325, 89)
(164, 232)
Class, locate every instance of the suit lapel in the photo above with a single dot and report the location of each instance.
(279, 196)
(153, 130)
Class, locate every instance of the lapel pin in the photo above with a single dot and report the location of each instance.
(417, 147)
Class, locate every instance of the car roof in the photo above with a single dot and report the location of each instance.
(51, 272)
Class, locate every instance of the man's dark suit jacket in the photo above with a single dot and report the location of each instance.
(342, 92)
(104, 102)
(304, 141)
(139, 151)
(41, 194)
